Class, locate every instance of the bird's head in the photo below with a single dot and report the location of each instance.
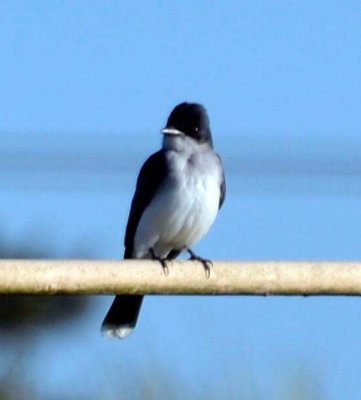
(188, 120)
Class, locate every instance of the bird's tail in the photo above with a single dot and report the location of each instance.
(122, 316)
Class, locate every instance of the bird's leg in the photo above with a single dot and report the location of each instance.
(207, 264)
(173, 254)
(163, 261)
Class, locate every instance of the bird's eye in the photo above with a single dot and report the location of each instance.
(195, 129)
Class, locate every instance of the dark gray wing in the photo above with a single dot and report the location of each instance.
(223, 185)
(125, 308)
(151, 177)
(223, 192)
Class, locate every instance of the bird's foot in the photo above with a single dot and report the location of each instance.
(163, 261)
(207, 264)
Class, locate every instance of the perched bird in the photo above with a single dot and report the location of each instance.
(178, 194)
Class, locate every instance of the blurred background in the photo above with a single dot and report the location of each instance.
(85, 88)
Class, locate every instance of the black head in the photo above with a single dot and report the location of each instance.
(192, 120)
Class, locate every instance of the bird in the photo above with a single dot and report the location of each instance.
(178, 194)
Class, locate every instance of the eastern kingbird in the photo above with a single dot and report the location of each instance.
(179, 191)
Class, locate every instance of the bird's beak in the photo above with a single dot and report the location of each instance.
(171, 132)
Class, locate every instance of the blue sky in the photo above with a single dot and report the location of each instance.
(260, 67)
(281, 81)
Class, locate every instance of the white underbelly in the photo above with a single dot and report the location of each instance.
(178, 217)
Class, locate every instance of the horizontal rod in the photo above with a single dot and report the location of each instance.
(79, 277)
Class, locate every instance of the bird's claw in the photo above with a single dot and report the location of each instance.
(165, 268)
(207, 264)
(163, 261)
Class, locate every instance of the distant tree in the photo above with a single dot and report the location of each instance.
(19, 312)
(22, 317)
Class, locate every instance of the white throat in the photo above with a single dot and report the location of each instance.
(183, 143)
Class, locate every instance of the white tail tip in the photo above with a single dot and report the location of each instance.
(116, 332)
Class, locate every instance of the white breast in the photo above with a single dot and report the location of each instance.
(186, 207)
